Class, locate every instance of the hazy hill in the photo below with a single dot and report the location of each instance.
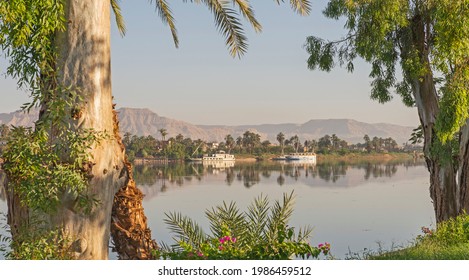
(146, 122)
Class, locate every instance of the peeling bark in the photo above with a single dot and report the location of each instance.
(130, 233)
(463, 171)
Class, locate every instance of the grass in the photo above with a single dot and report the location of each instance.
(450, 241)
(427, 251)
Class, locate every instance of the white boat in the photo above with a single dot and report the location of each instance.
(311, 157)
(219, 156)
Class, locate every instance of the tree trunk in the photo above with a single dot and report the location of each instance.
(443, 184)
(463, 171)
(83, 64)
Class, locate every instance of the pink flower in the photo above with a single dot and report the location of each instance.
(220, 248)
(200, 254)
(320, 245)
(227, 238)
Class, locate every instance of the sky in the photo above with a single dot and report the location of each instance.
(200, 83)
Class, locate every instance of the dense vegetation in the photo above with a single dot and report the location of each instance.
(251, 144)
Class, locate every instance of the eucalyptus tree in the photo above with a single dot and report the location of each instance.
(59, 50)
(420, 49)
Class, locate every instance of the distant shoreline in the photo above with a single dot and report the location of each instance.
(347, 158)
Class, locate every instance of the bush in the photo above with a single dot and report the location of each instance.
(260, 233)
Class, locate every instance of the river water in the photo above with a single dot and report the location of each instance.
(351, 206)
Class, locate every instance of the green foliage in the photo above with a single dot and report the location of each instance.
(446, 153)
(422, 37)
(39, 175)
(262, 232)
(453, 231)
(33, 242)
(27, 29)
(454, 105)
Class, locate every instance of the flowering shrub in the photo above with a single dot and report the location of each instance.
(260, 233)
(324, 248)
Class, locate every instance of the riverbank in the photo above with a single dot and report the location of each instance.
(321, 158)
(361, 157)
(450, 241)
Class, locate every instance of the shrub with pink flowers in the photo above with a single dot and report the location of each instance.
(261, 232)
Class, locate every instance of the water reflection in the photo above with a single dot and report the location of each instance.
(250, 174)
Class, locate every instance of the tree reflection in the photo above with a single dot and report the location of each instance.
(280, 180)
(379, 170)
(250, 174)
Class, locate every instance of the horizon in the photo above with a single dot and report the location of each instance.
(270, 84)
(235, 125)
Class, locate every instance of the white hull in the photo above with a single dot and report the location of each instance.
(221, 156)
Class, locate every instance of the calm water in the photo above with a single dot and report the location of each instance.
(350, 206)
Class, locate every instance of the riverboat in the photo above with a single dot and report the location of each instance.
(219, 156)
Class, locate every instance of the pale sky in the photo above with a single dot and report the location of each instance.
(202, 84)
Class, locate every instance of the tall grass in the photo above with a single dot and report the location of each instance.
(449, 241)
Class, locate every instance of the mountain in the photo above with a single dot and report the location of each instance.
(146, 122)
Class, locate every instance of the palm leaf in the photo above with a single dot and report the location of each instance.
(185, 229)
(119, 18)
(304, 234)
(229, 25)
(280, 215)
(226, 217)
(302, 7)
(248, 13)
(166, 16)
(257, 215)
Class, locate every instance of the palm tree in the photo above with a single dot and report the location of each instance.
(281, 141)
(239, 143)
(163, 134)
(229, 142)
(295, 141)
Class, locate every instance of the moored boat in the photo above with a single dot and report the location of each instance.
(219, 156)
(283, 157)
(311, 157)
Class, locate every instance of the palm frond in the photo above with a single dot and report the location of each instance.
(248, 13)
(280, 214)
(185, 229)
(304, 234)
(119, 18)
(229, 25)
(166, 16)
(257, 216)
(226, 217)
(302, 7)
